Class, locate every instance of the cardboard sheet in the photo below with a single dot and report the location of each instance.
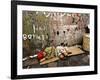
(74, 51)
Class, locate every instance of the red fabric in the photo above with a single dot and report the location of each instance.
(40, 55)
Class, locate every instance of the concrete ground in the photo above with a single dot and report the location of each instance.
(77, 60)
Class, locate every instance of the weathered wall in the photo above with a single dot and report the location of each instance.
(69, 26)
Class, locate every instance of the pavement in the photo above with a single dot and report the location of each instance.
(77, 60)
